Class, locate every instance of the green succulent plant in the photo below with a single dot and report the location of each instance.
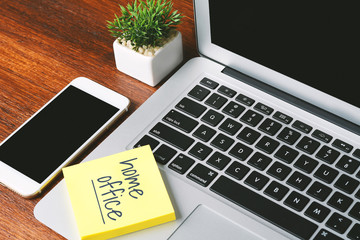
(145, 23)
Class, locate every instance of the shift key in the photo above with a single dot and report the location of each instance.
(171, 136)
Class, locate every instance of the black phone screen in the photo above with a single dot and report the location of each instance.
(55, 133)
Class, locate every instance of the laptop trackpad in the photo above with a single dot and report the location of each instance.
(204, 223)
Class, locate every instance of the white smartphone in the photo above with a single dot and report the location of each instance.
(56, 134)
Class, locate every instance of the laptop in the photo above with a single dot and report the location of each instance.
(259, 137)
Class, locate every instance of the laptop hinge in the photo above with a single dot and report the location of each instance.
(293, 100)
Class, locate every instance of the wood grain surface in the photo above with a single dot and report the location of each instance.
(44, 44)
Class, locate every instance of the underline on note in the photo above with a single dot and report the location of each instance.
(97, 199)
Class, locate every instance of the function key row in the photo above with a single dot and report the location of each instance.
(209, 83)
(227, 91)
(282, 117)
(342, 145)
(245, 100)
(223, 89)
(263, 108)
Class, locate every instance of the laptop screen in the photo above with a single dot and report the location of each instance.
(315, 42)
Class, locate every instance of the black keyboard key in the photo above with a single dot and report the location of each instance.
(233, 109)
(171, 136)
(164, 154)
(274, 213)
(209, 83)
(227, 91)
(286, 154)
(216, 101)
(147, 140)
(327, 154)
(298, 181)
(240, 151)
(357, 194)
(230, 126)
(218, 160)
(326, 173)
(317, 212)
(306, 163)
(259, 161)
(282, 117)
(338, 223)
(212, 117)
(252, 118)
(326, 235)
(237, 170)
(222, 142)
(348, 164)
(356, 153)
(267, 144)
(199, 93)
(190, 107)
(263, 108)
(296, 201)
(279, 171)
(340, 201)
(355, 211)
(256, 180)
(308, 145)
(346, 184)
(276, 190)
(180, 121)
(245, 100)
(248, 135)
(319, 191)
(343, 146)
(200, 151)
(322, 136)
(270, 127)
(302, 126)
(181, 163)
(289, 136)
(354, 233)
(204, 133)
(202, 175)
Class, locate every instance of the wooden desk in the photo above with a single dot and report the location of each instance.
(44, 45)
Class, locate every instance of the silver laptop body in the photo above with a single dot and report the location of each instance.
(248, 152)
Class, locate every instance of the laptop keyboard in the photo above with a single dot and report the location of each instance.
(287, 172)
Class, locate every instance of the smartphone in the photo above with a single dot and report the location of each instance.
(56, 134)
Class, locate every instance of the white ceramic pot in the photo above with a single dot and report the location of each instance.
(149, 69)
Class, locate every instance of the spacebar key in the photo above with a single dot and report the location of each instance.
(264, 208)
(171, 136)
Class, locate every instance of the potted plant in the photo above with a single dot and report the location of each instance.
(147, 46)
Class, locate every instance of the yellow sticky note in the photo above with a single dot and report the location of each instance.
(118, 194)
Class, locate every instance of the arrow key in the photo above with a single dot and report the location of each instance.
(338, 223)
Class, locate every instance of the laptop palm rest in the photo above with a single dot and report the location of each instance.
(204, 223)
